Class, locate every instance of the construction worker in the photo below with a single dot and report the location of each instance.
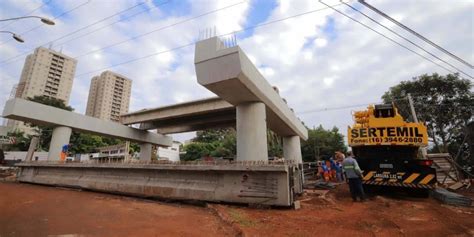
(354, 176)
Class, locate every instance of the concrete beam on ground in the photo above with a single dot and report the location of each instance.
(229, 73)
(234, 183)
(29, 111)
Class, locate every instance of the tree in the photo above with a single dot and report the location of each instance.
(212, 135)
(197, 150)
(223, 143)
(51, 101)
(322, 143)
(275, 147)
(213, 142)
(444, 103)
(22, 141)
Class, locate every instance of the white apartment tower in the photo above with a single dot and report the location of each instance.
(109, 96)
(46, 73)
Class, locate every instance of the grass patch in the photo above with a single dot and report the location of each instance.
(241, 219)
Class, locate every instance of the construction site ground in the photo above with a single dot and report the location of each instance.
(34, 210)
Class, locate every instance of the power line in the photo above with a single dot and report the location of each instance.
(121, 20)
(28, 13)
(160, 29)
(401, 45)
(83, 28)
(193, 43)
(415, 33)
(56, 17)
(366, 104)
(411, 42)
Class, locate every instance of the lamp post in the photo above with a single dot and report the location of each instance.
(15, 36)
(43, 19)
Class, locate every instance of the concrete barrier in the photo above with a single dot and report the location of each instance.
(232, 183)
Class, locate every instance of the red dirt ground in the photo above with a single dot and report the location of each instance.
(33, 210)
(334, 214)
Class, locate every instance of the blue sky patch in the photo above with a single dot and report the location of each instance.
(259, 12)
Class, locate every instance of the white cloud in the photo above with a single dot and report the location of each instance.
(320, 42)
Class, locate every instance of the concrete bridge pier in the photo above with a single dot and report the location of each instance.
(145, 151)
(292, 149)
(251, 132)
(59, 138)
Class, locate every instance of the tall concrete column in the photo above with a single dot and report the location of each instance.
(251, 132)
(292, 149)
(59, 138)
(145, 151)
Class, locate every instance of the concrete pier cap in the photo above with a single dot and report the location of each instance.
(228, 72)
(64, 122)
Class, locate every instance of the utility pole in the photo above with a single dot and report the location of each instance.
(415, 119)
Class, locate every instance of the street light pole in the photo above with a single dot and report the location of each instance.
(43, 19)
(15, 36)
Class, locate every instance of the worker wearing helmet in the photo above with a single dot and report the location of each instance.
(354, 176)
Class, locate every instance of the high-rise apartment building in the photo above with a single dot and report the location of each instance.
(45, 73)
(109, 96)
(49, 73)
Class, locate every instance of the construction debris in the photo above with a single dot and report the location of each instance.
(456, 186)
(451, 198)
(324, 185)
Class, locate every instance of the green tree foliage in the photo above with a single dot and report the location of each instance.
(444, 103)
(215, 143)
(22, 141)
(322, 143)
(275, 146)
(223, 143)
(197, 150)
(46, 100)
(87, 143)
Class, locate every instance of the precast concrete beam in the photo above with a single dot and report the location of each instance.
(59, 138)
(194, 122)
(261, 184)
(229, 73)
(182, 111)
(251, 132)
(29, 111)
(292, 149)
(145, 152)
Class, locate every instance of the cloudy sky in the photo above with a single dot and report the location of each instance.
(324, 64)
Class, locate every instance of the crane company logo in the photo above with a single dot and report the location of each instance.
(386, 132)
(404, 135)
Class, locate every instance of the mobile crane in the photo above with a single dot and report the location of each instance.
(386, 148)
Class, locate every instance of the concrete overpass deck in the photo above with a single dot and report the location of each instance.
(184, 117)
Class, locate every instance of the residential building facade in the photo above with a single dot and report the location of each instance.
(46, 72)
(109, 96)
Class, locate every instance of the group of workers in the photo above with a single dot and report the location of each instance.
(340, 168)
